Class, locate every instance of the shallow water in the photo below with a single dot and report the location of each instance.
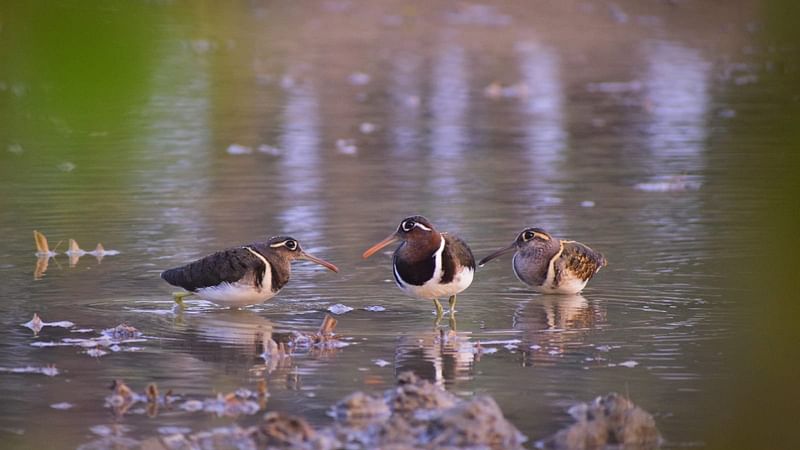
(609, 125)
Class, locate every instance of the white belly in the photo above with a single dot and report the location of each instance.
(434, 289)
(567, 286)
(236, 294)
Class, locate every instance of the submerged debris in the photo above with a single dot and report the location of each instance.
(280, 344)
(42, 248)
(74, 252)
(36, 324)
(110, 340)
(50, 370)
(122, 332)
(239, 402)
(676, 183)
(612, 420)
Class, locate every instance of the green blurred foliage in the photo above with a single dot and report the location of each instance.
(80, 65)
(757, 407)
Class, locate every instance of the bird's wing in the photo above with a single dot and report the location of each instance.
(579, 260)
(456, 254)
(232, 265)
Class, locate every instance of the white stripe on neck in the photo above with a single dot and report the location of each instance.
(266, 281)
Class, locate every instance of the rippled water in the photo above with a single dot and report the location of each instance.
(609, 125)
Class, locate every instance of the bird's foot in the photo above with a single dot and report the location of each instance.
(179, 296)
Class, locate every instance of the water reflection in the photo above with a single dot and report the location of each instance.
(677, 99)
(406, 91)
(442, 355)
(300, 179)
(41, 267)
(551, 324)
(449, 109)
(545, 132)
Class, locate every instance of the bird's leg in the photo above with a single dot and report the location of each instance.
(179, 296)
(439, 309)
(452, 305)
(452, 322)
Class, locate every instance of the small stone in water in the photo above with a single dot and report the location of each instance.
(381, 362)
(587, 204)
(376, 308)
(339, 308)
(67, 166)
(629, 364)
(96, 352)
(174, 430)
(236, 149)
(62, 405)
(346, 146)
(269, 150)
(359, 78)
(367, 127)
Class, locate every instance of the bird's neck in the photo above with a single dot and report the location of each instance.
(421, 248)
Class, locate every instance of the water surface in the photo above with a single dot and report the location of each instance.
(604, 123)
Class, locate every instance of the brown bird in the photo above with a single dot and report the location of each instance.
(551, 265)
(244, 275)
(428, 264)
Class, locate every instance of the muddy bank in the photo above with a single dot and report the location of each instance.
(417, 414)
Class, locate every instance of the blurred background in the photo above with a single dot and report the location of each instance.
(661, 133)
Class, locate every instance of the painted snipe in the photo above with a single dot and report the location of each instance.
(551, 265)
(428, 264)
(241, 276)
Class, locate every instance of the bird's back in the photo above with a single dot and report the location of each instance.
(229, 266)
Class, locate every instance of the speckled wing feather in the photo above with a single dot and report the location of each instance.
(456, 254)
(578, 260)
(230, 266)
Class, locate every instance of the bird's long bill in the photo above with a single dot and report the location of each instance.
(319, 261)
(500, 252)
(391, 239)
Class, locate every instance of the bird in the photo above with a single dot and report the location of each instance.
(551, 265)
(428, 264)
(244, 275)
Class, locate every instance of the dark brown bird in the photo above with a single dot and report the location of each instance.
(428, 264)
(244, 275)
(551, 265)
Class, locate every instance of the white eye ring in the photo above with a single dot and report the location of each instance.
(291, 245)
(407, 225)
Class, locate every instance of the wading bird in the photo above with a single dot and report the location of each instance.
(428, 264)
(551, 265)
(241, 276)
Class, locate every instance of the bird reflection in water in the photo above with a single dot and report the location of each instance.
(550, 324)
(440, 355)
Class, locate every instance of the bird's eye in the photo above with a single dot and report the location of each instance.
(527, 236)
(407, 225)
(291, 245)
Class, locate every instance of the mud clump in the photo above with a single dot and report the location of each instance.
(415, 415)
(283, 430)
(609, 421)
(419, 414)
(412, 395)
